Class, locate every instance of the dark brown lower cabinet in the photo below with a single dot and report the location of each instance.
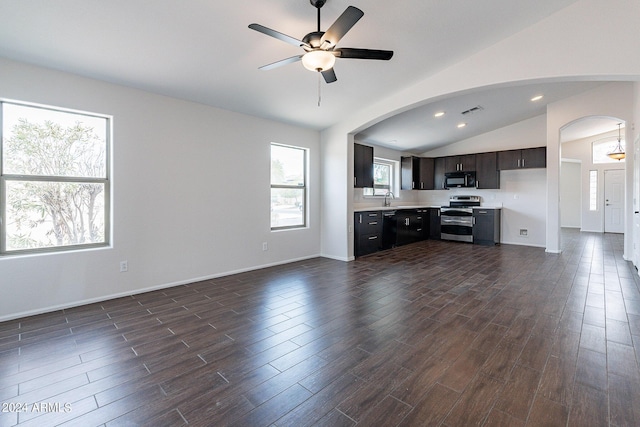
(434, 223)
(409, 227)
(367, 232)
(377, 230)
(486, 226)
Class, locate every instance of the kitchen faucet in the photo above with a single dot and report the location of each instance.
(387, 198)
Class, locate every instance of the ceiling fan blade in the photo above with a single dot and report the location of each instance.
(329, 75)
(281, 63)
(278, 35)
(348, 52)
(343, 24)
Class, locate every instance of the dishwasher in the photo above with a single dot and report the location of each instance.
(388, 229)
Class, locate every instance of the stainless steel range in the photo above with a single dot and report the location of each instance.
(456, 220)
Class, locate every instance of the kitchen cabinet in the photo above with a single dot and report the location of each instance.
(362, 166)
(417, 173)
(385, 229)
(426, 223)
(463, 163)
(526, 158)
(487, 173)
(368, 232)
(438, 173)
(486, 226)
(409, 226)
(434, 223)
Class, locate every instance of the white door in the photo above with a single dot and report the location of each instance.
(614, 201)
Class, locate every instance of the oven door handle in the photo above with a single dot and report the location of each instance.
(447, 221)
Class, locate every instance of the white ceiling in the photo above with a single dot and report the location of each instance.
(203, 51)
(418, 130)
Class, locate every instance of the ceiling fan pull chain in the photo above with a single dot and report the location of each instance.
(319, 88)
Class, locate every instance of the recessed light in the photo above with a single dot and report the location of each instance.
(439, 114)
(461, 125)
(536, 98)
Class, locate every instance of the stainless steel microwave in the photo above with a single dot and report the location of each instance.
(460, 179)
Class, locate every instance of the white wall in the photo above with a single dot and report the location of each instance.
(537, 53)
(191, 195)
(524, 134)
(572, 192)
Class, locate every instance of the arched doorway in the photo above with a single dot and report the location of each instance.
(598, 181)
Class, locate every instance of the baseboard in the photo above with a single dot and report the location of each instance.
(522, 244)
(345, 259)
(148, 289)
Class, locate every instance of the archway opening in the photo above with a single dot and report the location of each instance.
(592, 195)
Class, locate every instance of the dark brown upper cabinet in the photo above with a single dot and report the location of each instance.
(487, 173)
(417, 173)
(466, 163)
(439, 164)
(526, 158)
(362, 166)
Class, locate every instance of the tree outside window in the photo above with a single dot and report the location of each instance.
(383, 177)
(54, 190)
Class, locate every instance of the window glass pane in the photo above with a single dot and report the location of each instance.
(381, 175)
(604, 146)
(384, 171)
(287, 207)
(287, 165)
(43, 142)
(43, 214)
(593, 190)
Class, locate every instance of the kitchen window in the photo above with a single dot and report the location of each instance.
(54, 179)
(288, 187)
(384, 178)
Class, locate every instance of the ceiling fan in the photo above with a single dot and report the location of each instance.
(320, 47)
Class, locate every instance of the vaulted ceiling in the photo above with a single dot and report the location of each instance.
(203, 51)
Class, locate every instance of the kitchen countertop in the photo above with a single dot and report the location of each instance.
(391, 208)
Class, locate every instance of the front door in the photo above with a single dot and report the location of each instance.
(614, 201)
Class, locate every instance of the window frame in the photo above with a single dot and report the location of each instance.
(394, 166)
(304, 187)
(5, 178)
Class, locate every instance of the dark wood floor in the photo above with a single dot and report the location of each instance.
(435, 333)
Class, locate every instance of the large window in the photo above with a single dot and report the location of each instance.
(54, 179)
(288, 187)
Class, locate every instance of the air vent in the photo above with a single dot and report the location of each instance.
(472, 110)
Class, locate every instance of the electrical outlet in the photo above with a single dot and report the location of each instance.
(524, 232)
(265, 246)
(124, 266)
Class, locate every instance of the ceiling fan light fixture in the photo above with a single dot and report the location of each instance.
(318, 60)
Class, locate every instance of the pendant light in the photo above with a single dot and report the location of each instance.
(618, 152)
